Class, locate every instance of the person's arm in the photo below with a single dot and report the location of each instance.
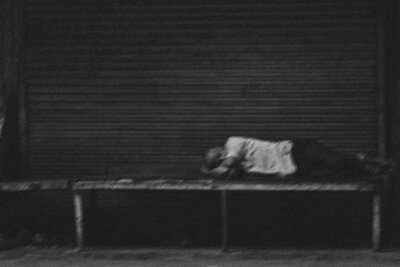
(223, 169)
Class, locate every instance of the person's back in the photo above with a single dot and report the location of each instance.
(262, 157)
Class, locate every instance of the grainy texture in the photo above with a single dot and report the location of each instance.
(224, 220)
(1, 45)
(198, 258)
(11, 102)
(183, 184)
(376, 221)
(224, 187)
(78, 208)
(145, 82)
(34, 185)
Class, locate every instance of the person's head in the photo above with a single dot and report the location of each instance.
(213, 157)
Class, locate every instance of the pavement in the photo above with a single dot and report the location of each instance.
(32, 256)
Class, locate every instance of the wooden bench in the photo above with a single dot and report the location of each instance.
(21, 186)
(224, 187)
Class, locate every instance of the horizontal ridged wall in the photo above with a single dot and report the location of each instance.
(113, 83)
(1, 43)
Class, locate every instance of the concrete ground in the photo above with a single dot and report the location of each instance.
(195, 257)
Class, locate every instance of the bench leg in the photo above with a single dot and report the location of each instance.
(78, 219)
(224, 221)
(376, 221)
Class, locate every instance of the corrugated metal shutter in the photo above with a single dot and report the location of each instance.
(113, 82)
(1, 43)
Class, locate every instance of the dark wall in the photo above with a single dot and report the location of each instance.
(73, 71)
(393, 114)
(1, 68)
(10, 44)
(1, 43)
(152, 82)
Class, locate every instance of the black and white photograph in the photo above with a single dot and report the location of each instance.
(198, 133)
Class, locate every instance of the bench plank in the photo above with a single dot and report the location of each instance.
(34, 185)
(217, 185)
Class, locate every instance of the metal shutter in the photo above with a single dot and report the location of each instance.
(113, 82)
(1, 44)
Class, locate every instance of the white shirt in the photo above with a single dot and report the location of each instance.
(264, 157)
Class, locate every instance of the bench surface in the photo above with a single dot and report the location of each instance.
(34, 185)
(217, 185)
(191, 184)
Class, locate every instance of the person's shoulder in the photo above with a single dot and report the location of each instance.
(239, 140)
(236, 142)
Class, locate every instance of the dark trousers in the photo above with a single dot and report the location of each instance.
(311, 157)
